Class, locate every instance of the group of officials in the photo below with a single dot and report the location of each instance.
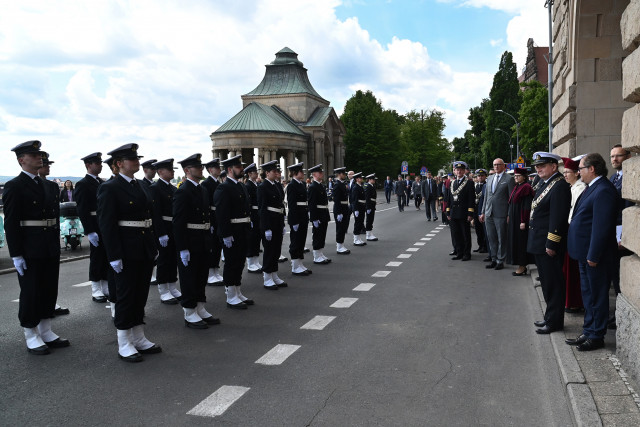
(135, 224)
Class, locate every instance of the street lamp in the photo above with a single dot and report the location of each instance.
(510, 144)
(549, 5)
(517, 131)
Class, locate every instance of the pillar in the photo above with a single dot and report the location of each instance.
(303, 158)
(290, 158)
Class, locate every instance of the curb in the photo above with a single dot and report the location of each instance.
(62, 261)
(583, 406)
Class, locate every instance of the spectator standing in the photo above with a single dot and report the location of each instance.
(66, 195)
(407, 190)
(388, 189)
(417, 192)
(481, 232)
(429, 192)
(518, 222)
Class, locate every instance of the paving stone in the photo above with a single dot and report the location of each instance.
(615, 404)
(609, 388)
(621, 420)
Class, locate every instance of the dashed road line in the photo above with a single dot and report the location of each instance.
(219, 401)
(404, 256)
(419, 244)
(381, 273)
(430, 235)
(344, 303)
(394, 264)
(81, 285)
(15, 300)
(318, 323)
(412, 249)
(426, 238)
(278, 354)
(364, 287)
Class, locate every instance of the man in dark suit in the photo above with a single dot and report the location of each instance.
(460, 209)
(358, 202)
(211, 184)
(125, 212)
(298, 218)
(429, 189)
(407, 190)
(86, 196)
(547, 238)
(192, 231)
(318, 214)
(162, 192)
(388, 188)
(31, 221)
(149, 172)
(370, 195)
(341, 210)
(592, 242)
(400, 191)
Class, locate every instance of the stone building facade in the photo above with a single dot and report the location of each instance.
(284, 118)
(536, 65)
(596, 104)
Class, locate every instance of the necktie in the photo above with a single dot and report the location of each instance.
(36, 180)
(493, 184)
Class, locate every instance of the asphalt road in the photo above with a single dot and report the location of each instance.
(435, 342)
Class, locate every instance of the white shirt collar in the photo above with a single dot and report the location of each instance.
(29, 174)
(127, 178)
(235, 181)
(620, 172)
(193, 182)
(594, 180)
(93, 176)
(168, 183)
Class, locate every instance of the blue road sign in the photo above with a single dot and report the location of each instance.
(423, 171)
(405, 169)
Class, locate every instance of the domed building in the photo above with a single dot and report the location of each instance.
(283, 117)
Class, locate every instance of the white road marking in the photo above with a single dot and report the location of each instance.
(413, 249)
(430, 235)
(344, 303)
(219, 401)
(419, 244)
(404, 256)
(424, 239)
(81, 285)
(435, 231)
(278, 354)
(381, 273)
(15, 300)
(364, 287)
(394, 264)
(318, 323)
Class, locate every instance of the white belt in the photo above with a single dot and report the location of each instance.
(167, 218)
(140, 224)
(213, 208)
(254, 207)
(277, 210)
(302, 203)
(39, 223)
(205, 226)
(322, 206)
(93, 213)
(240, 220)
(362, 201)
(345, 203)
(373, 200)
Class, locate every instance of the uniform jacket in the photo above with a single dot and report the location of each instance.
(191, 206)
(429, 192)
(231, 201)
(400, 188)
(550, 219)
(252, 190)
(340, 199)
(465, 205)
(297, 202)
(269, 197)
(480, 189)
(119, 200)
(592, 233)
(317, 196)
(370, 195)
(211, 185)
(162, 194)
(25, 200)
(496, 204)
(147, 183)
(357, 198)
(86, 196)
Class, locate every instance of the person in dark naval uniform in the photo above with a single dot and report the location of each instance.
(192, 231)
(162, 192)
(253, 234)
(359, 203)
(125, 212)
(271, 211)
(31, 221)
(211, 184)
(149, 172)
(341, 210)
(548, 224)
(370, 195)
(86, 196)
(280, 187)
(232, 215)
(298, 218)
(460, 208)
(318, 214)
(481, 234)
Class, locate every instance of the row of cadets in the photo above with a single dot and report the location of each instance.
(370, 196)
(211, 184)
(298, 218)
(318, 214)
(358, 202)
(253, 233)
(341, 209)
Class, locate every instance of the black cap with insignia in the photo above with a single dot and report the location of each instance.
(192, 160)
(371, 176)
(232, 161)
(316, 168)
(215, 163)
(45, 159)
(27, 147)
(481, 171)
(93, 157)
(126, 151)
(340, 170)
(149, 164)
(251, 168)
(269, 166)
(460, 165)
(357, 175)
(164, 164)
(295, 168)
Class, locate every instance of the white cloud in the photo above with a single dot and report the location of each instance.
(495, 43)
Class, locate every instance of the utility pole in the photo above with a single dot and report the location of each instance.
(549, 5)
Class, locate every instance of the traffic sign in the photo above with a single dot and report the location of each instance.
(405, 168)
(520, 160)
(423, 171)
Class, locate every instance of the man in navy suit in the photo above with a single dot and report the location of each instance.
(592, 241)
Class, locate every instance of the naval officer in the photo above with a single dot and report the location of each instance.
(357, 200)
(370, 196)
(253, 234)
(211, 184)
(318, 214)
(341, 210)
(460, 208)
(298, 218)
(149, 172)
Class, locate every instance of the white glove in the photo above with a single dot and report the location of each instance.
(185, 256)
(212, 229)
(316, 223)
(368, 211)
(20, 264)
(155, 258)
(267, 235)
(117, 265)
(94, 239)
(356, 213)
(284, 230)
(295, 227)
(164, 240)
(339, 218)
(228, 241)
(251, 224)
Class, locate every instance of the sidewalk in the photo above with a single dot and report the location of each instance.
(599, 391)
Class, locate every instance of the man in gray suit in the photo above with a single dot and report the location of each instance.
(494, 213)
(429, 189)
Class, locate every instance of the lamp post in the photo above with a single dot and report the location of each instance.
(517, 131)
(549, 5)
(510, 145)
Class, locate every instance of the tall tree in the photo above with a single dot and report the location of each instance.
(534, 118)
(423, 141)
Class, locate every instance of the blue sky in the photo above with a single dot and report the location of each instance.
(90, 76)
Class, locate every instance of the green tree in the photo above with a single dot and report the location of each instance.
(422, 141)
(477, 121)
(534, 118)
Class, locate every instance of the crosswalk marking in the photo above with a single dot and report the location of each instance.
(381, 273)
(364, 287)
(419, 244)
(404, 256)
(413, 249)
(426, 238)
(219, 401)
(394, 264)
(278, 354)
(318, 323)
(344, 303)
(431, 235)
(81, 285)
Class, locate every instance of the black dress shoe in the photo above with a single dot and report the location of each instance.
(492, 265)
(546, 329)
(359, 244)
(211, 320)
(611, 323)
(591, 344)
(524, 273)
(577, 340)
(258, 271)
(499, 266)
(452, 253)
(302, 273)
(466, 258)
(270, 288)
(135, 357)
(61, 311)
(487, 259)
(540, 323)
(99, 299)
(39, 351)
(239, 306)
(482, 251)
(347, 252)
(58, 343)
(324, 261)
(249, 301)
(171, 301)
(573, 310)
(457, 257)
(283, 259)
(306, 250)
(195, 325)
(151, 350)
(282, 285)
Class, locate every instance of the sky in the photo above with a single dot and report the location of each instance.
(84, 76)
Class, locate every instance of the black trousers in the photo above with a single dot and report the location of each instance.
(369, 222)
(216, 250)
(342, 227)
(417, 200)
(193, 279)
(167, 263)
(481, 235)
(98, 264)
(401, 202)
(430, 208)
(253, 240)
(553, 287)
(319, 235)
(38, 290)
(461, 233)
(387, 194)
(272, 250)
(111, 284)
(358, 222)
(298, 239)
(234, 257)
(132, 290)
